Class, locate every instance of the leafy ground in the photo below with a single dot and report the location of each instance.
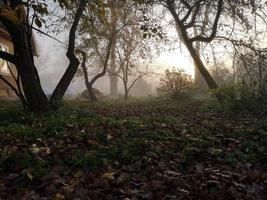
(150, 149)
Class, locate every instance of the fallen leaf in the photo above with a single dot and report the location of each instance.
(109, 175)
(60, 196)
(30, 176)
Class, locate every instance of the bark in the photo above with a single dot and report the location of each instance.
(201, 67)
(89, 86)
(113, 79)
(24, 62)
(92, 93)
(199, 79)
(126, 91)
(74, 61)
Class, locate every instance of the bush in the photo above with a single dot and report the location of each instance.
(176, 83)
(237, 97)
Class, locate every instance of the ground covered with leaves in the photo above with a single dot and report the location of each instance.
(150, 149)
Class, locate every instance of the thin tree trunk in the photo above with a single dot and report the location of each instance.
(89, 84)
(112, 78)
(74, 61)
(199, 80)
(126, 92)
(105, 65)
(86, 79)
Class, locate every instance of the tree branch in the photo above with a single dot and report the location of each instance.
(8, 57)
(196, 11)
(214, 28)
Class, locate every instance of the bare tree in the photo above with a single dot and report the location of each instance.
(133, 54)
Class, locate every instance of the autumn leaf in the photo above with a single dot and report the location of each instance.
(60, 196)
(109, 175)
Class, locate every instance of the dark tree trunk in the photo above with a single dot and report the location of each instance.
(74, 61)
(101, 74)
(92, 93)
(24, 61)
(201, 67)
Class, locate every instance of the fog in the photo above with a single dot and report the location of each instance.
(52, 63)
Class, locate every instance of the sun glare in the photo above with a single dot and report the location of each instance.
(176, 59)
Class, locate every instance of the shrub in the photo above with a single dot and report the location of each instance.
(176, 83)
(238, 97)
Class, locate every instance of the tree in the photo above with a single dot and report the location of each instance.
(115, 14)
(251, 69)
(74, 61)
(19, 25)
(98, 36)
(183, 24)
(133, 53)
(196, 25)
(89, 84)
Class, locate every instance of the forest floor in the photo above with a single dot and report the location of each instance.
(146, 149)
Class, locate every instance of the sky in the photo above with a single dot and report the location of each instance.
(52, 61)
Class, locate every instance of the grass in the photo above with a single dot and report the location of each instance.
(152, 135)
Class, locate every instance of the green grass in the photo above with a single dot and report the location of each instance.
(94, 137)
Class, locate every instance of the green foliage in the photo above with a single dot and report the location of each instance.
(140, 138)
(237, 97)
(176, 83)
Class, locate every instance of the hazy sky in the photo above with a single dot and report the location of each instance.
(52, 63)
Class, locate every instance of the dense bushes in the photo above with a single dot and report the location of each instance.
(239, 97)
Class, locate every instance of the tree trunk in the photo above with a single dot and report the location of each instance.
(113, 85)
(92, 93)
(199, 80)
(126, 91)
(74, 61)
(181, 29)
(112, 77)
(126, 95)
(34, 94)
(89, 86)
(201, 67)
